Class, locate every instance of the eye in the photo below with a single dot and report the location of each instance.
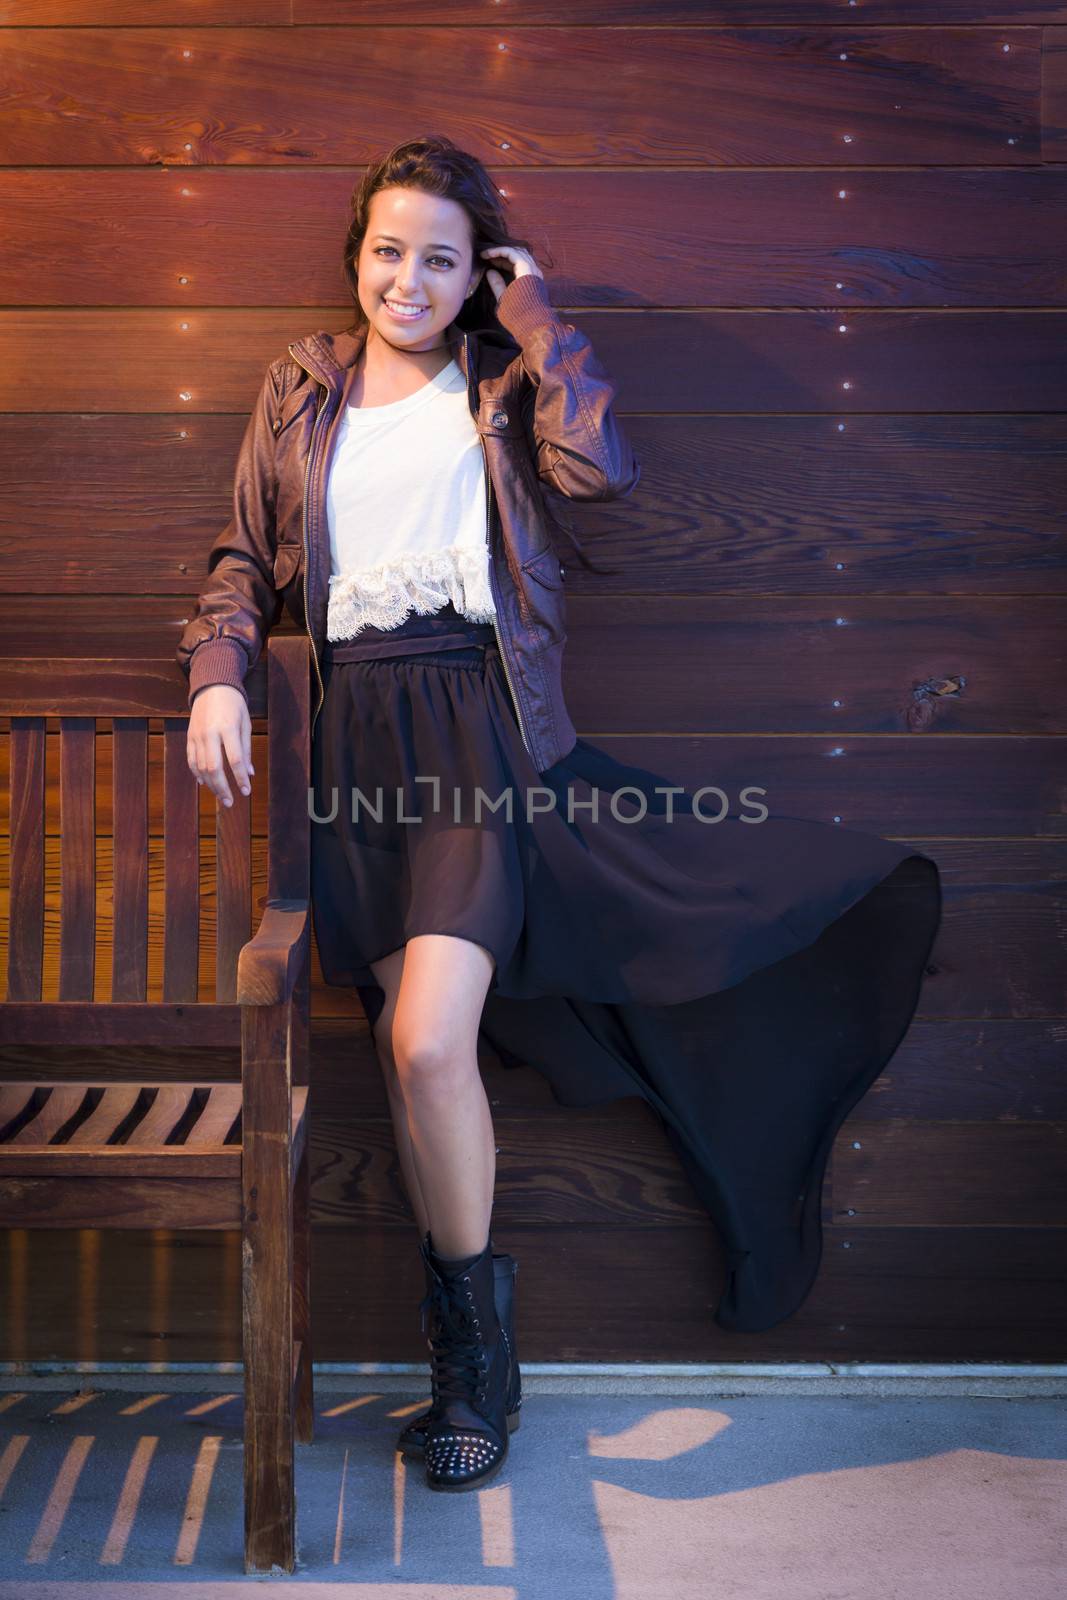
(447, 261)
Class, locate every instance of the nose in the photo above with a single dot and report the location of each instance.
(406, 284)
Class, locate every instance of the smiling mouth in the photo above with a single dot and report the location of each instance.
(400, 309)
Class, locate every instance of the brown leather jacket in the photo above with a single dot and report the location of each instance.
(545, 418)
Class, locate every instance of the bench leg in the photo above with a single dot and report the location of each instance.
(267, 1294)
(305, 1394)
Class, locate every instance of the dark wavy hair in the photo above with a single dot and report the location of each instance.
(435, 164)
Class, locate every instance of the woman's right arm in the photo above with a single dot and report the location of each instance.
(237, 609)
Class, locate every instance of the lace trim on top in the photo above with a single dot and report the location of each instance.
(421, 581)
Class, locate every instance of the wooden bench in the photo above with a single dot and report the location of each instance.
(117, 1148)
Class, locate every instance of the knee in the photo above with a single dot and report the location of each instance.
(426, 1064)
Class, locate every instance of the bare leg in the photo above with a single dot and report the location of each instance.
(434, 1036)
(388, 972)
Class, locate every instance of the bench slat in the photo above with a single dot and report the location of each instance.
(162, 1117)
(181, 873)
(14, 1098)
(36, 1022)
(25, 952)
(77, 855)
(129, 790)
(184, 1162)
(62, 1103)
(116, 1103)
(233, 878)
(217, 1118)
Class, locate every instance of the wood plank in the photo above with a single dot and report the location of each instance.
(729, 380)
(721, 13)
(288, 782)
(170, 1102)
(25, 792)
(182, 857)
(108, 685)
(725, 13)
(114, 1106)
(901, 1173)
(128, 13)
(143, 688)
(917, 664)
(614, 1166)
(267, 1288)
(1054, 93)
(63, 1102)
(14, 1099)
(215, 1126)
(588, 1294)
(77, 916)
(744, 236)
(233, 885)
(734, 496)
(129, 787)
(152, 688)
(303, 1366)
(195, 1199)
(100, 1022)
(896, 1294)
(789, 95)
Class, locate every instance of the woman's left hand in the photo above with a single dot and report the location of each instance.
(522, 262)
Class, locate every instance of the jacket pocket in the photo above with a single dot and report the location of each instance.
(286, 563)
(545, 568)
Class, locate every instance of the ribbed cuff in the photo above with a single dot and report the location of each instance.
(217, 661)
(525, 305)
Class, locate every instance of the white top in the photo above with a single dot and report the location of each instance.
(407, 509)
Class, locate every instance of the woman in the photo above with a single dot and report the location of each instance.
(475, 866)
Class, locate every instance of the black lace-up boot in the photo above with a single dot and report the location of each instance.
(412, 1437)
(471, 1364)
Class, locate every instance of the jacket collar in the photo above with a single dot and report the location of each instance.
(331, 357)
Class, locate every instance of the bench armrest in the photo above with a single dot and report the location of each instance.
(269, 966)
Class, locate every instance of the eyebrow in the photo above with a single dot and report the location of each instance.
(392, 239)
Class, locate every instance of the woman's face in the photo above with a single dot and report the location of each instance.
(417, 250)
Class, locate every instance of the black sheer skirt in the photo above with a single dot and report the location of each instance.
(748, 978)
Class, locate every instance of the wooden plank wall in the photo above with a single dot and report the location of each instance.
(823, 250)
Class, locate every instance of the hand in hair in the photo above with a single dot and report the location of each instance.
(521, 261)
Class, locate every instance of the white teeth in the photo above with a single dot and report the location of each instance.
(405, 311)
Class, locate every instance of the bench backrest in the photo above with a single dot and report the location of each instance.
(112, 701)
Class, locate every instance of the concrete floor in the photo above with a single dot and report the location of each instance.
(135, 1491)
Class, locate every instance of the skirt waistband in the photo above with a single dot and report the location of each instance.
(446, 629)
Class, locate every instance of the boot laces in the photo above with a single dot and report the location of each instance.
(460, 1356)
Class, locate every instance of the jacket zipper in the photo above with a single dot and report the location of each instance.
(496, 602)
(307, 544)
